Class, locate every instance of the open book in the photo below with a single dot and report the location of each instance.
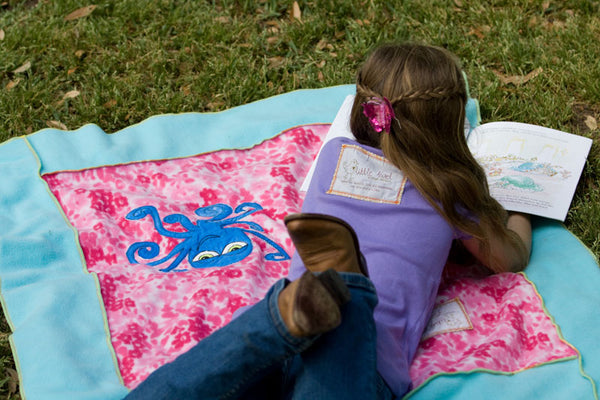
(530, 168)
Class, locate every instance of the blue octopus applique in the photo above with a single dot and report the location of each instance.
(217, 240)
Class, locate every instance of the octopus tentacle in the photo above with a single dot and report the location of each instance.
(141, 212)
(280, 255)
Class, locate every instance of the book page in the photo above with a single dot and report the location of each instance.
(530, 168)
(339, 128)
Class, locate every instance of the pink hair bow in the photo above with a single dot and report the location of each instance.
(380, 113)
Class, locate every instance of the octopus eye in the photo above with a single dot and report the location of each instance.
(233, 247)
(204, 255)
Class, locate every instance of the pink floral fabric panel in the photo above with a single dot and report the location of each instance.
(493, 323)
(168, 213)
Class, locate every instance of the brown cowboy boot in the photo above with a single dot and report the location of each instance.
(311, 304)
(325, 242)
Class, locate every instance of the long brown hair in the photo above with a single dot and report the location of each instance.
(427, 91)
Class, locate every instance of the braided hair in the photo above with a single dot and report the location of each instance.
(427, 91)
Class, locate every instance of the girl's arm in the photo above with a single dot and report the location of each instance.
(509, 252)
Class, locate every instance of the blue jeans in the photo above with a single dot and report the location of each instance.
(255, 357)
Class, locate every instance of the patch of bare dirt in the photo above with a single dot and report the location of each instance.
(586, 119)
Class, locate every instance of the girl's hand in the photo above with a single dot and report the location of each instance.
(510, 250)
(520, 223)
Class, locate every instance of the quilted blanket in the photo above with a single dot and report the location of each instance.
(120, 251)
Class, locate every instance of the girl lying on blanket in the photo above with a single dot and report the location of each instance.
(406, 188)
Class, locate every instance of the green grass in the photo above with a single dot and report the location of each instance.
(132, 59)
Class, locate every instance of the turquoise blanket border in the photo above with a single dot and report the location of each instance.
(180, 135)
(61, 339)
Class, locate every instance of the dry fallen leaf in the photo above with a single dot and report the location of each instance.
(80, 54)
(323, 44)
(518, 79)
(186, 90)
(80, 13)
(109, 104)
(12, 84)
(533, 21)
(56, 125)
(591, 123)
(71, 70)
(320, 76)
(296, 12)
(480, 31)
(2, 34)
(275, 62)
(476, 32)
(223, 19)
(555, 24)
(71, 94)
(23, 68)
(545, 6)
(13, 380)
(214, 105)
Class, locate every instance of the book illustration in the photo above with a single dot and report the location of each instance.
(519, 182)
(530, 168)
(512, 172)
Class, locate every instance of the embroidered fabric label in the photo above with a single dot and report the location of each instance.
(363, 175)
(447, 317)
